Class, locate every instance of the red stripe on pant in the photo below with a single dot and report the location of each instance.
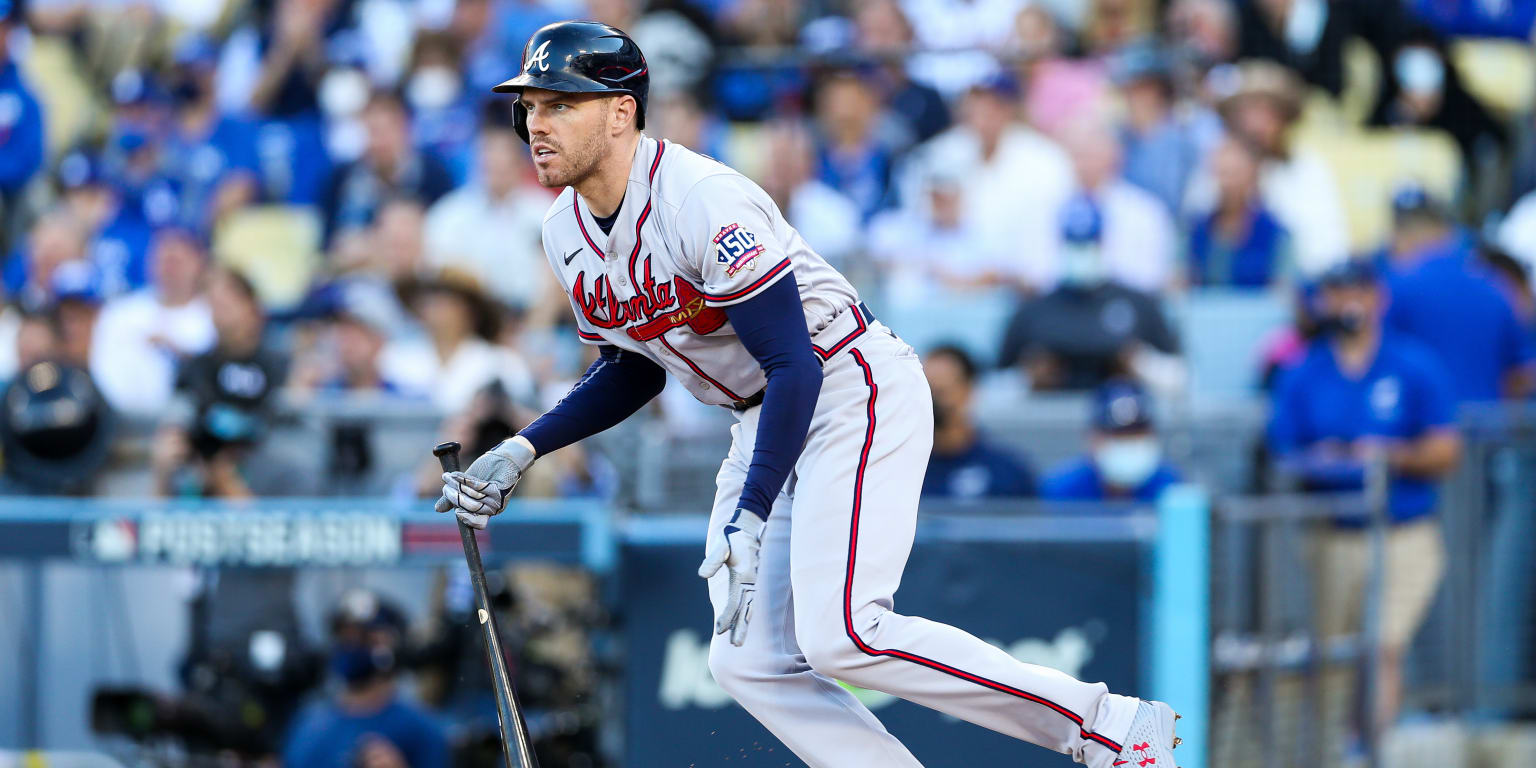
(853, 545)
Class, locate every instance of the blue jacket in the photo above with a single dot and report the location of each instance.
(1078, 480)
(21, 130)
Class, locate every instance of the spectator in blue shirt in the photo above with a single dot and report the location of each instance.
(1160, 150)
(21, 126)
(963, 465)
(1477, 18)
(212, 156)
(445, 114)
(1444, 297)
(1365, 394)
(1239, 244)
(390, 168)
(367, 724)
(1124, 460)
(858, 143)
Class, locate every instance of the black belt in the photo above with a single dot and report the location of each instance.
(754, 400)
(751, 401)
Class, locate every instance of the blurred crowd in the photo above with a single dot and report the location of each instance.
(204, 205)
(207, 206)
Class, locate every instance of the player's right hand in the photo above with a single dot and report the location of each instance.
(480, 491)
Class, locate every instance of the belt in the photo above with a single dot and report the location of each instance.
(862, 317)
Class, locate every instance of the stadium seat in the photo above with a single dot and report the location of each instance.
(1221, 331)
(1499, 73)
(276, 247)
(54, 74)
(974, 321)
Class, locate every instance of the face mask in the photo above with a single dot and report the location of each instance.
(1419, 70)
(343, 92)
(1341, 323)
(433, 88)
(1081, 266)
(356, 664)
(1127, 462)
(1304, 25)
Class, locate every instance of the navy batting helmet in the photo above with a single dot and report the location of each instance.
(580, 57)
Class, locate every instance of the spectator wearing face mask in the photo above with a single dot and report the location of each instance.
(390, 167)
(367, 723)
(211, 155)
(1137, 240)
(1088, 329)
(963, 465)
(1421, 88)
(1124, 460)
(1364, 394)
(443, 113)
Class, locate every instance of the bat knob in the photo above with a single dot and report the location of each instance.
(447, 455)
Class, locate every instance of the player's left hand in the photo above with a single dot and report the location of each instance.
(735, 546)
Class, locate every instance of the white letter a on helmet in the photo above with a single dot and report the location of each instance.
(540, 57)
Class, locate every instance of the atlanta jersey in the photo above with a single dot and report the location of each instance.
(692, 237)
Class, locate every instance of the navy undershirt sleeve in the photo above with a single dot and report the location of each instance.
(771, 325)
(616, 385)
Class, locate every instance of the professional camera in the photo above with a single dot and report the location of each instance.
(237, 703)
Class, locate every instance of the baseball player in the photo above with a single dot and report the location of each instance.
(677, 264)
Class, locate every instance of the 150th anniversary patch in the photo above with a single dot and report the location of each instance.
(736, 248)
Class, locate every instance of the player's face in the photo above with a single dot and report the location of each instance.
(568, 134)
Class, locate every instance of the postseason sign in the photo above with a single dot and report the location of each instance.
(243, 538)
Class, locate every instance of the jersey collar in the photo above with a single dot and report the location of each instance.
(625, 241)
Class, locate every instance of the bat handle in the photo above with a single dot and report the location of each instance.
(447, 455)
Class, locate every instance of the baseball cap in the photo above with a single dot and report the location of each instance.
(1351, 272)
(79, 168)
(1121, 405)
(1140, 62)
(133, 86)
(1000, 83)
(1412, 199)
(76, 281)
(195, 49)
(1081, 221)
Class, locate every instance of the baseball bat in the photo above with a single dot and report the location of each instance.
(514, 733)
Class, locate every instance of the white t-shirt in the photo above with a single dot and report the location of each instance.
(495, 240)
(1010, 201)
(135, 372)
(414, 366)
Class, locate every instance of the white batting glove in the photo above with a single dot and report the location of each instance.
(480, 491)
(735, 546)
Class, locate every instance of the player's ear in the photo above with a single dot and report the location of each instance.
(623, 114)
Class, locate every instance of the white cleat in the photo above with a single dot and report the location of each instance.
(1151, 741)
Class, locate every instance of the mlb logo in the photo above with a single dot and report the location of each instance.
(736, 248)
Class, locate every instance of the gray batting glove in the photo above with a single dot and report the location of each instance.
(480, 491)
(735, 546)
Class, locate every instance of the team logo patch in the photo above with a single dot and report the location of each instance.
(737, 249)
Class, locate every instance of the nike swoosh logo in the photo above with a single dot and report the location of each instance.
(572, 255)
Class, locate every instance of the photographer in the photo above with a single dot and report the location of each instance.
(221, 406)
(366, 724)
